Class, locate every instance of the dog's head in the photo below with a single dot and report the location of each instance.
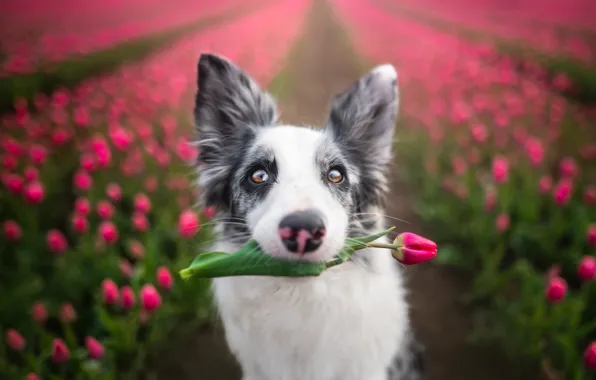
(299, 192)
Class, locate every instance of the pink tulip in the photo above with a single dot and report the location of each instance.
(39, 312)
(56, 241)
(556, 289)
(188, 224)
(500, 169)
(67, 313)
(413, 249)
(114, 192)
(34, 192)
(150, 298)
(94, 348)
(142, 203)
(15, 340)
(165, 280)
(127, 299)
(590, 356)
(109, 291)
(12, 230)
(60, 351)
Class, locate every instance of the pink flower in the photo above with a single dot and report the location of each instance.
(587, 268)
(12, 230)
(151, 184)
(109, 291)
(38, 154)
(34, 192)
(590, 195)
(120, 138)
(502, 222)
(125, 268)
(413, 249)
(79, 223)
(13, 182)
(39, 312)
(188, 224)
(136, 249)
(150, 298)
(105, 210)
(545, 184)
(591, 234)
(142, 203)
(568, 167)
(165, 280)
(556, 289)
(56, 241)
(67, 313)
(562, 192)
(500, 169)
(590, 356)
(88, 162)
(114, 192)
(127, 299)
(60, 352)
(81, 116)
(535, 150)
(140, 222)
(82, 180)
(108, 232)
(32, 376)
(94, 348)
(15, 340)
(83, 206)
(31, 173)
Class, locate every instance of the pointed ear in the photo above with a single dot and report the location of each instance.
(227, 103)
(363, 117)
(229, 107)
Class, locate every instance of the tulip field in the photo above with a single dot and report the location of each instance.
(505, 172)
(97, 208)
(97, 203)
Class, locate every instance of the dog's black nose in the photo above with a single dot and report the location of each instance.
(302, 231)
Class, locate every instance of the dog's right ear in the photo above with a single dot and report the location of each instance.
(229, 106)
(227, 102)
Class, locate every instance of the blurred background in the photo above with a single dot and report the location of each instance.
(495, 161)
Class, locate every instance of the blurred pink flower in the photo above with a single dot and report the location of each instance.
(128, 298)
(165, 280)
(82, 180)
(586, 269)
(502, 222)
(105, 210)
(15, 340)
(563, 191)
(109, 291)
(82, 206)
(140, 222)
(39, 312)
(60, 351)
(67, 313)
(150, 298)
(108, 232)
(56, 241)
(591, 234)
(12, 230)
(94, 348)
(590, 356)
(114, 192)
(568, 167)
(188, 224)
(545, 184)
(34, 192)
(142, 203)
(556, 289)
(500, 169)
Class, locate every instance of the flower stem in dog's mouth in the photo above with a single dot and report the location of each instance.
(250, 260)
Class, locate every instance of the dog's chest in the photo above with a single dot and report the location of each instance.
(346, 324)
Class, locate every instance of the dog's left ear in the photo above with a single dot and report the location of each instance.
(363, 117)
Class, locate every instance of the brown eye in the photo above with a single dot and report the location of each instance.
(259, 176)
(335, 176)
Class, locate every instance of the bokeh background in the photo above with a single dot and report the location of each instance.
(495, 161)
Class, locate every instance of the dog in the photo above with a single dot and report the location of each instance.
(300, 192)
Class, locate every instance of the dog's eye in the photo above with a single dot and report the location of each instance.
(259, 176)
(335, 176)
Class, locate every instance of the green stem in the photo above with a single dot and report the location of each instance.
(382, 245)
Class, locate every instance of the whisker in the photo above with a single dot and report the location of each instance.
(382, 215)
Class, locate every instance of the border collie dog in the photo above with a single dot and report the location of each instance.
(300, 192)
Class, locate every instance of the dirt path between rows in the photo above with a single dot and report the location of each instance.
(322, 64)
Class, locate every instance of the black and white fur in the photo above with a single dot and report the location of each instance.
(351, 322)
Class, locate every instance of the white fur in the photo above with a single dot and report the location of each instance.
(346, 324)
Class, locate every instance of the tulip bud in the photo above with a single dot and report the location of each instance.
(150, 298)
(556, 289)
(15, 340)
(94, 348)
(60, 351)
(413, 249)
(590, 356)
(587, 268)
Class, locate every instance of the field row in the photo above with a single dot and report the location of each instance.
(504, 171)
(98, 210)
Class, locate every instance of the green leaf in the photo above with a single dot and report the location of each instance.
(249, 260)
